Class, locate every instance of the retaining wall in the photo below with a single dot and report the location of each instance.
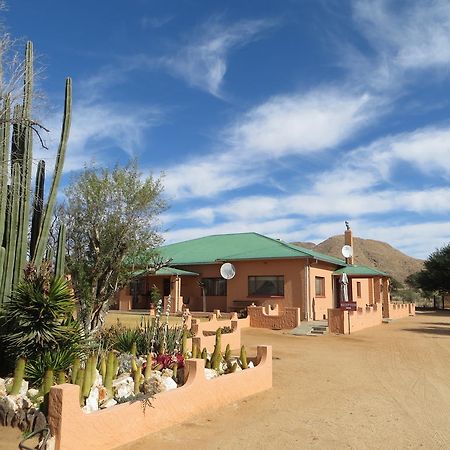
(401, 310)
(122, 424)
(347, 322)
(265, 317)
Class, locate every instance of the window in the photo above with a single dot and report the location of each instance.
(358, 289)
(320, 287)
(270, 285)
(215, 286)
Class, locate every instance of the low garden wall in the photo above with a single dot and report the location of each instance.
(265, 317)
(127, 422)
(347, 322)
(401, 310)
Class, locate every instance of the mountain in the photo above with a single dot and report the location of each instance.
(369, 252)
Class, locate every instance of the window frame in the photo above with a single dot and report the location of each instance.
(278, 283)
(218, 287)
(358, 289)
(319, 292)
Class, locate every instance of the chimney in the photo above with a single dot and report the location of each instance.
(348, 240)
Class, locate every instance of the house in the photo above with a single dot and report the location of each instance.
(267, 272)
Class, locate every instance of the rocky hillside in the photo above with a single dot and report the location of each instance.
(371, 253)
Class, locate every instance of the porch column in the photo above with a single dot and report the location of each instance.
(371, 291)
(175, 293)
(376, 290)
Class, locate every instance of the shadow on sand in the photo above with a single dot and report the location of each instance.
(440, 331)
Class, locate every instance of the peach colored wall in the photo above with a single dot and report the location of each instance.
(286, 319)
(233, 339)
(190, 288)
(365, 296)
(290, 269)
(125, 423)
(321, 304)
(347, 322)
(400, 310)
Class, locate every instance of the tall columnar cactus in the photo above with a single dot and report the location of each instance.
(60, 259)
(16, 136)
(18, 375)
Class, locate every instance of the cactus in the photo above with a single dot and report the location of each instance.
(227, 354)
(47, 382)
(80, 378)
(75, 369)
(216, 357)
(60, 259)
(18, 375)
(87, 382)
(148, 367)
(93, 359)
(110, 372)
(134, 367)
(15, 197)
(103, 368)
(133, 348)
(61, 377)
(184, 348)
(137, 375)
(204, 354)
(195, 350)
(243, 358)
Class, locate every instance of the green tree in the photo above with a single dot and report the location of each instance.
(435, 275)
(111, 217)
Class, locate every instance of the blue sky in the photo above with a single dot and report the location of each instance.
(281, 117)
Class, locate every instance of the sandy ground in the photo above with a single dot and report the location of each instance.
(385, 387)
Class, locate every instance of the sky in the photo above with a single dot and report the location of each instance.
(282, 117)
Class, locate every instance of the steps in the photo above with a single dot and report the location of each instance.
(312, 328)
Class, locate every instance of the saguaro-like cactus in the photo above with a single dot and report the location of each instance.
(16, 137)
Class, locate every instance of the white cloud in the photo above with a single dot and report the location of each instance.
(202, 61)
(302, 123)
(284, 125)
(409, 35)
(96, 128)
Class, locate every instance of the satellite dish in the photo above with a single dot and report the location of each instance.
(347, 251)
(227, 271)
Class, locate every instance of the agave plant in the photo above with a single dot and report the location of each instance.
(39, 317)
(59, 360)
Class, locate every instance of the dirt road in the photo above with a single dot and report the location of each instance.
(387, 387)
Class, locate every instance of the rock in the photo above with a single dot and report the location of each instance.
(123, 386)
(154, 384)
(92, 401)
(98, 379)
(167, 373)
(3, 413)
(31, 393)
(102, 394)
(24, 402)
(251, 365)
(11, 401)
(169, 383)
(210, 374)
(40, 421)
(51, 443)
(2, 387)
(108, 403)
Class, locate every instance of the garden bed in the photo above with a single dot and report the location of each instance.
(124, 423)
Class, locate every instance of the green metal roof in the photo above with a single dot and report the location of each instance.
(166, 271)
(235, 247)
(359, 270)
